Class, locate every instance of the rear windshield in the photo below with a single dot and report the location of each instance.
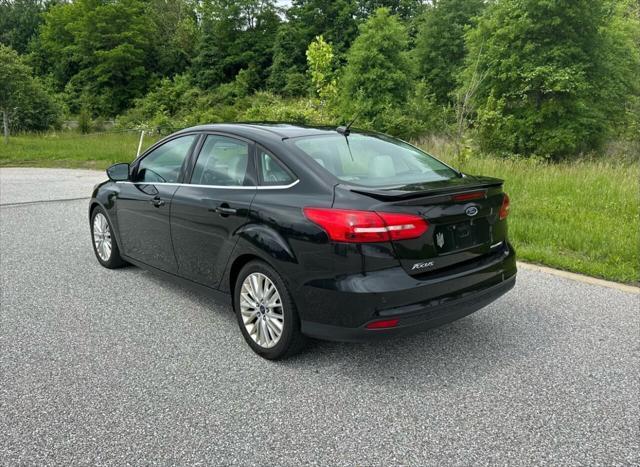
(373, 160)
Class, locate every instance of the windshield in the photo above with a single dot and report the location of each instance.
(373, 161)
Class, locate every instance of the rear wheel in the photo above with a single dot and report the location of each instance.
(104, 242)
(266, 313)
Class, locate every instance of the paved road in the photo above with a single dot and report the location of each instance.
(108, 367)
(23, 185)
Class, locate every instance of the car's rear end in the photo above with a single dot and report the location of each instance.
(425, 244)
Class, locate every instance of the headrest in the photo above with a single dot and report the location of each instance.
(382, 166)
(238, 168)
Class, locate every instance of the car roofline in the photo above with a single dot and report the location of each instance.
(281, 130)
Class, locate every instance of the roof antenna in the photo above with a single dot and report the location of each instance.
(346, 130)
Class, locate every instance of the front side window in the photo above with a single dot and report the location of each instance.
(271, 171)
(222, 161)
(163, 164)
(372, 160)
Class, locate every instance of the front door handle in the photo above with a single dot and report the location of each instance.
(157, 202)
(224, 210)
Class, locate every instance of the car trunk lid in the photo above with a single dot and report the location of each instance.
(463, 219)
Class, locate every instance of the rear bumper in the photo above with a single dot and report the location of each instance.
(418, 320)
(339, 309)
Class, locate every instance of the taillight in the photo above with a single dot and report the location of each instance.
(404, 226)
(504, 209)
(344, 225)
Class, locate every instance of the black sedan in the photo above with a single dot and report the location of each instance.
(320, 232)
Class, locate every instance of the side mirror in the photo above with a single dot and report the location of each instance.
(118, 172)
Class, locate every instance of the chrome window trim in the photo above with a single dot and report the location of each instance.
(219, 187)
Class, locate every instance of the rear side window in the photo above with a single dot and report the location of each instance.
(373, 160)
(222, 161)
(163, 164)
(272, 172)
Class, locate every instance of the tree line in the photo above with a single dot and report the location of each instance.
(549, 78)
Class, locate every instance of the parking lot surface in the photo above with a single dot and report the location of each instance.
(121, 366)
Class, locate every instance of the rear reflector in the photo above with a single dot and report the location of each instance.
(344, 225)
(469, 196)
(383, 323)
(504, 209)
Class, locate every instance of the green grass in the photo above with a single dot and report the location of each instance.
(582, 217)
(73, 150)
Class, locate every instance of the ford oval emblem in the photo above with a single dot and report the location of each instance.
(471, 211)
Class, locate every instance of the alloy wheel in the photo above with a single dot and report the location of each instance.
(261, 310)
(102, 236)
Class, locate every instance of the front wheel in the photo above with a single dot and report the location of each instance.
(104, 242)
(266, 313)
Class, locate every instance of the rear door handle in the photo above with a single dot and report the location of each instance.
(157, 202)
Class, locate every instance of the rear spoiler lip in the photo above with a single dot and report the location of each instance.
(399, 194)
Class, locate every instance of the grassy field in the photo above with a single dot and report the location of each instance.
(74, 150)
(582, 217)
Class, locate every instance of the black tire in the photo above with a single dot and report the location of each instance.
(291, 340)
(114, 260)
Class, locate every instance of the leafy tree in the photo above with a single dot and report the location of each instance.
(24, 103)
(14, 76)
(440, 49)
(619, 55)
(404, 9)
(547, 65)
(378, 75)
(54, 52)
(320, 60)
(235, 35)
(335, 20)
(98, 49)
(286, 75)
(175, 35)
(19, 21)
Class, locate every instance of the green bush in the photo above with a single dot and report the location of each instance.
(84, 120)
(267, 107)
(554, 75)
(24, 99)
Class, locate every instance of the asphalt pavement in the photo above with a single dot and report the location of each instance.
(109, 367)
